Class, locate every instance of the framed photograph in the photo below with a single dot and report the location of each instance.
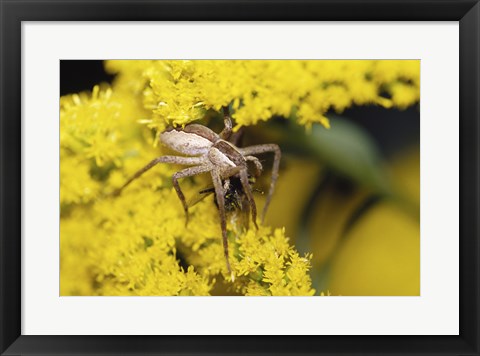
(293, 177)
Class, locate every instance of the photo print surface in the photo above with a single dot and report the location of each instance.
(240, 177)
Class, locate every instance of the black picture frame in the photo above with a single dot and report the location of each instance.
(13, 12)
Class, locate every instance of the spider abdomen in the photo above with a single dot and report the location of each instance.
(187, 143)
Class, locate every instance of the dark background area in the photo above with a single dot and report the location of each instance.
(77, 76)
(392, 129)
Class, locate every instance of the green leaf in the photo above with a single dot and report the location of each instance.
(346, 148)
(350, 150)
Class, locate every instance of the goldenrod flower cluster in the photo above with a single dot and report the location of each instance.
(137, 243)
(178, 92)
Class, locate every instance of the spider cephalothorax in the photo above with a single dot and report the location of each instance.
(205, 151)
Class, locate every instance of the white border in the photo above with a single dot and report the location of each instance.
(435, 312)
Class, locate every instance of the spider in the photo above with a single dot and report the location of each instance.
(206, 151)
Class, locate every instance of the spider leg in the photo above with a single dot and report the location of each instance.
(248, 191)
(245, 209)
(227, 131)
(258, 165)
(251, 150)
(163, 159)
(236, 136)
(220, 194)
(187, 172)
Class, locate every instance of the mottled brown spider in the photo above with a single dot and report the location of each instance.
(205, 151)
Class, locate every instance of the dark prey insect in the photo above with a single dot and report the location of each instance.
(236, 202)
(205, 151)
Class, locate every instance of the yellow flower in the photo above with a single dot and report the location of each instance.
(76, 184)
(134, 244)
(271, 264)
(179, 92)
